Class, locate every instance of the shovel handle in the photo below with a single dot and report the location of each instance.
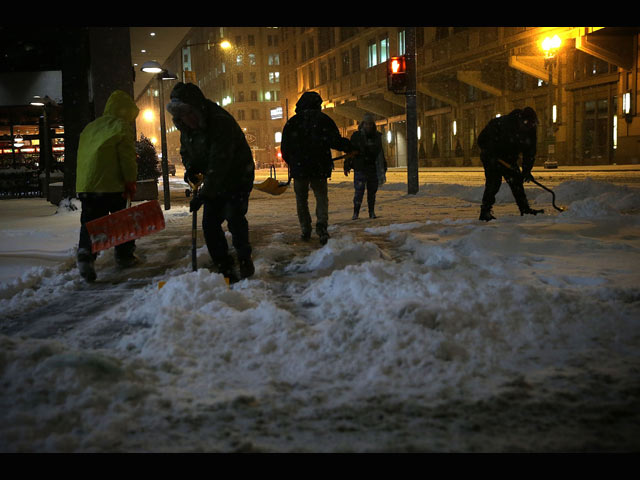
(553, 195)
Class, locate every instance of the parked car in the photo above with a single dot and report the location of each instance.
(172, 169)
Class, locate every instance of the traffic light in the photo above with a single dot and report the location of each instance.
(397, 74)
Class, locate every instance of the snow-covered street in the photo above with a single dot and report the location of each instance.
(422, 330)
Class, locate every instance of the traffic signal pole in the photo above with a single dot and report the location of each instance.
(411, 111)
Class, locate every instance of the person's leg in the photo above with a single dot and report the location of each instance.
(93, 207)
(372, 188)
(235, 212)
(493, 181)
(301, 189)
(214, 237)
(359, 182)
(321, 193)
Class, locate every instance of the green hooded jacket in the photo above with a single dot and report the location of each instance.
(107, 149)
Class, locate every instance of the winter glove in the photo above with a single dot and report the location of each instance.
(195, 203)
(129, 190)
(527, 177)
(192, 177)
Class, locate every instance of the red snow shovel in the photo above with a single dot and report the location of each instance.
(125, 225)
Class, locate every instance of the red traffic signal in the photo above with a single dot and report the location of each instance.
(397, 74)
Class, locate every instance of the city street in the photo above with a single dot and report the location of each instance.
(422, 330)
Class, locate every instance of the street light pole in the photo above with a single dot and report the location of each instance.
(412, 116)
(162, 74)
(551, 47)
(163, 146)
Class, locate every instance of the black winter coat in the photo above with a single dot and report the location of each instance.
(307, 140)
(503, 139)
(219, 151)
(368, 151)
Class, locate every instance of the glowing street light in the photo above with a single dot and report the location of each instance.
(550, 46)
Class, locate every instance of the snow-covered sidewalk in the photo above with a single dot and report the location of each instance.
(424, 330)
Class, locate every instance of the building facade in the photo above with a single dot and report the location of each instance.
(585, 92)
(236, 67)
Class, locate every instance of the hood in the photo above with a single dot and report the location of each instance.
(188, 93)
(121, 105)
(309, 101)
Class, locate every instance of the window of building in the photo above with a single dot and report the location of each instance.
(402, 45)
(274, 59)
(252, 40)
(255, 114)
(345, 63)
(252, 59)
(254, 96)
(355, 59)
(324, 76)
(240, 96)
(240, 114)
(239, 59)
(239, 78)
(238, 40)
(384, 49)
(372, 54)
(274, 77)
(253, 78)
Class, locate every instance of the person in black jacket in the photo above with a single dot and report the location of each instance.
(307, 140)
(501, 142)
(213, 144)
(369, 164)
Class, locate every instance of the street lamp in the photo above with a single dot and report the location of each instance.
(162, 74)
(45, 102)
(551, 47)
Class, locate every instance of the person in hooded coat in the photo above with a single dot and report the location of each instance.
(307, 140)
(501, 142)
(106, 175)
(213, 144)
(369, 165)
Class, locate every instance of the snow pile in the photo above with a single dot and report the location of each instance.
(426, 314)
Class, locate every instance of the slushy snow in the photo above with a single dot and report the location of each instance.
(521, 334)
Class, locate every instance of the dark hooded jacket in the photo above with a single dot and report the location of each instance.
(504, 139)
(218, 149)
(308, 137)
(369, 149)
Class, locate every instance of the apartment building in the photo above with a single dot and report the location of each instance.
(236, 67)
(585, 92)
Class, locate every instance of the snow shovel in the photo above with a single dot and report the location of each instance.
(553, 195)
(125, 225)
(271, 185)
(195, 187)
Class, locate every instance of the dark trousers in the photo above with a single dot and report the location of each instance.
(321, 193)
(494, 172)
(232, 208)
(94, 206)
(361, 181)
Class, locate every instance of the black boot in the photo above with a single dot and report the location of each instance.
(322, 234)
(486, 214)
(246, 267)
(224, 266)
(85, 262)
(530, 211)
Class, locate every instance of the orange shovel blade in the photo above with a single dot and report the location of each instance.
(125, 225)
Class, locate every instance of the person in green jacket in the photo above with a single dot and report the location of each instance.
(106, 175)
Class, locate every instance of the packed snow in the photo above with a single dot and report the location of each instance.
(440, 333)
